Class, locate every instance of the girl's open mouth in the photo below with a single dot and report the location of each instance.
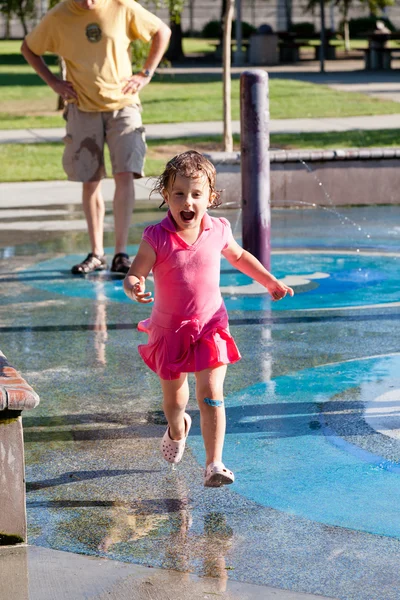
(187, 215)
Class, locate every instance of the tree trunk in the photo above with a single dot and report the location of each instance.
(288, 13)
(226, 74)
(175, 49)
(346, 34)
(223, 13)
(7, 31)
(346, 28)
(21, 17)
(191, 16)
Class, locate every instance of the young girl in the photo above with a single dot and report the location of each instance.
(188, 327)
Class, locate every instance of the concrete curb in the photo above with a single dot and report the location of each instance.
(319, 178)
(203, 128)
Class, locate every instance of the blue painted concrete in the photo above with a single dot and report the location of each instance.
(289, 461)
(347, 280)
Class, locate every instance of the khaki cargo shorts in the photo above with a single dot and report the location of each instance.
(87, 132)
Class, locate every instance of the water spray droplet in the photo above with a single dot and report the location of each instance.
(332, 206)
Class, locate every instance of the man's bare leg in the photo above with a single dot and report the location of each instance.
(93, 207)
(124, 201)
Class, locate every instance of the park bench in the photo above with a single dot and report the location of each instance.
(15, 396)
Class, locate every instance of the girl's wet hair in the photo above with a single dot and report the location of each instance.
(188, 164)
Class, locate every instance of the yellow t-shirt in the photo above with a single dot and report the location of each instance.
(95, 46)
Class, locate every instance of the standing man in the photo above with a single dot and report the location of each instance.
(102, 104)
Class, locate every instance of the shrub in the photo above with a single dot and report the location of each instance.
(213, 29)
(139, 51)
(192, 34)
(365, 25)
(303, 29)
(247, 29)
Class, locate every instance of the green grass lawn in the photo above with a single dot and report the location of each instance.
(289, 99)
(42, 162)
(10, 46)
(26, 102)
(171, 99)
(190, 46)
(198, 46)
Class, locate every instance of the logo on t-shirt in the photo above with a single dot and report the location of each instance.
(93, 33)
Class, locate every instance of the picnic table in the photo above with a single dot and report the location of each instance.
(290, 43)
(378, 55)
(217, 45)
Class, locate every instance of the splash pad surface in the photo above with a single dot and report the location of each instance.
(312, 411)
(322, 281)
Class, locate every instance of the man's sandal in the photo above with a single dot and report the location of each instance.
(92, 262)
(172, 450)
(120, 263)
(216, 475)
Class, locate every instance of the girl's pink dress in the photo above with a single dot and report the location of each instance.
(188, 327)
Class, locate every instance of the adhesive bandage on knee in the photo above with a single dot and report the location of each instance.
(216, 403)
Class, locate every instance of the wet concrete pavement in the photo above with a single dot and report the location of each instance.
(45, 574)
(313, 413)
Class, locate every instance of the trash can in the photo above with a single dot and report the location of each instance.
(263, 46)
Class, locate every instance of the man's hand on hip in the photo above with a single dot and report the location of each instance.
(134, 84)
(65, 89)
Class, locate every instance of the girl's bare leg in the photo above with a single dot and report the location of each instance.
(176, 397)
(210, 387)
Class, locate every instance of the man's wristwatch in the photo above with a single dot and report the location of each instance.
(145, 73)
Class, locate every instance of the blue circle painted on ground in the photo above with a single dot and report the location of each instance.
(322, 280)
(283, 459)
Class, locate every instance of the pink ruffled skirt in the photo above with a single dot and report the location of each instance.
(177, 346)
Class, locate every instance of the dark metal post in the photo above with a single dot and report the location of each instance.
(254, 148)
(322, 36)
(238, 57)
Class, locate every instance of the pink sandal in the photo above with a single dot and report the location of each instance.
(172, 450)
(216, 475)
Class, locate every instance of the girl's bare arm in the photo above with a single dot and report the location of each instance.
(251, 266)
(134, 282)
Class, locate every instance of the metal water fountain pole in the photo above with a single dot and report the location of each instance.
(255, 171)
